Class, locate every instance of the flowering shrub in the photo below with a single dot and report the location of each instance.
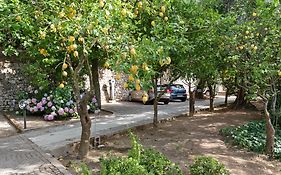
(57, 104)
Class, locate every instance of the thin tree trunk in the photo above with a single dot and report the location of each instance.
(86, 128)
(155, 103)
(226, 97)
(95, 73)
(270, 133)
(191, 101)
(212, 96)
(199, 90)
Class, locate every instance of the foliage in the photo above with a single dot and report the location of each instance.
(139, 161)
(252, 136)
(81, 169)
(204, 165)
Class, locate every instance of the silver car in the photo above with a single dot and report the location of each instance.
(148, 97)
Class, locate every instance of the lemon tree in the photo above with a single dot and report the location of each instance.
(65, 36)
(254, 55)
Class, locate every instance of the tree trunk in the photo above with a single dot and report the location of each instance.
(191, 101)
(155, 104)
(199, 90)
(270, 133)
(226, 97)
(95, 73)
(240, 100)
(86, 129)
(212, 96)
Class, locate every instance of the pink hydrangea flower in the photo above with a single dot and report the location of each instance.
(35, 109)
(46, 117)
(71, 111)
(50, 117)
(66, 109)
(39, 105)
(60, 111)
(49, 104)
(33, 100)
(42, 109)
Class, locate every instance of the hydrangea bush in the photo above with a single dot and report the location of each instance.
(56, 104)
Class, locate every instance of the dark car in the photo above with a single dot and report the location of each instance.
(177, 91)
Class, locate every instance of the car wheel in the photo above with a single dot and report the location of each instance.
(183, 99)
(166, 102)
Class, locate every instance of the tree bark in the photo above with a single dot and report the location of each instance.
(240, 100)
(199, 90)
(226, 97)
(270, 133)
(155, 103)
(86, 128)
(212, 96)
(191, 101)
(95, 73)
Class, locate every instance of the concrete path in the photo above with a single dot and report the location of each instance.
(126, 115)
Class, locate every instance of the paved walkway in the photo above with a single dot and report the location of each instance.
(25, 153)
(6, 129)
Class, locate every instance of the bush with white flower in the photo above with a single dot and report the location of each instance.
(57, 104)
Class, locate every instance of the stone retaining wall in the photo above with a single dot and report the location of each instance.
(12, 82)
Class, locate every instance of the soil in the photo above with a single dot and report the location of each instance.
(184, 138)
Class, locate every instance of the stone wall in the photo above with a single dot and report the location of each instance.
(11, 83)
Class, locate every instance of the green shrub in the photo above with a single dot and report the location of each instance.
(156, 163)
(139, 161)
(121, 166)
(252, 136)
(204, 165)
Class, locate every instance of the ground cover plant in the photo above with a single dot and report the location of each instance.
(205, 165)
(252, 136)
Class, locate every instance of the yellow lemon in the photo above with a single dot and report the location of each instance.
(64, 73)
(132, 51)
(18, 18)
(153, 23)
(123, 12)
(139, 4)
(64, 66)
(134, 69)
(138, 81)
(125, 85)
(279, 73)
(118, 76)
(101, 4)
(161, 14)
(61, 86)
(138, 88)
(144, 98)
(71, 38)
(81, 40)
(106, 65)
(75, 53)
(254, 14)
(163, 9)
(131, 78)
(166, 18)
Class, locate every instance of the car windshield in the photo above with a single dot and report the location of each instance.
(177, 86)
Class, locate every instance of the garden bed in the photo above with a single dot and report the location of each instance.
(184, 138)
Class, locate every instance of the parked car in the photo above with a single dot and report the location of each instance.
(177, 91)
(138, 96)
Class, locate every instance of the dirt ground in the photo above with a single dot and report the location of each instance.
(184, 138)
